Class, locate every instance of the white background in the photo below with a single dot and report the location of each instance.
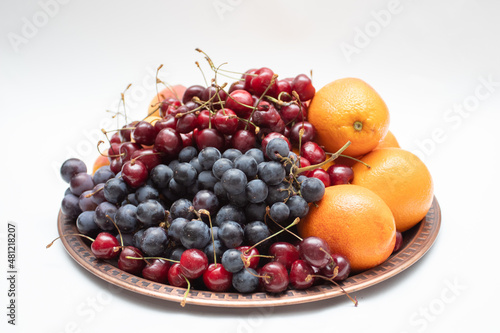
(63, 64)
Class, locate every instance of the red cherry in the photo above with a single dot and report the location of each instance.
(134, 173)
(263, 79)
(203, 120)
(303, 86)
(127, 149)
(399, 241)
(243, 140)
(144, 133)
(252, 256)
(340, 174)
(304, 162)
(226, 121)
(169, 142)
(274, 277)
(149, 157)
(284, 253)
(321, 175)
(248, 76)
(343, 265)
(187, 139)
(293, 112)
(167, 122)
(191, 92)
(193, 263)
(126, 132)
(284, 86)
(300, 275)
(315, 251)
(105, 246)
(313, 152)
(156, 270)
(132, 266)
(115, 138)
(186, 123)
(209, 137)
(168, 106)
(116, 165)
(216, 278)
(114, 151)
(237, 100)
(308, 132)
(175, 277)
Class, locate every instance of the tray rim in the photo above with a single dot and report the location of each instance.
(423, 237)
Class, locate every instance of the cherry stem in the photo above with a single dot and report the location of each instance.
(50, 244)
(315, 166)
(354, 300)
(355, 159)
(94, 193)
(206, 212)
(282, 227)
(152, 258)
(119, 232)
(295, 222)
(183, 302)
(106, 155)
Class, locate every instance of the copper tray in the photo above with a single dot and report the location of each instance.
(416, 242)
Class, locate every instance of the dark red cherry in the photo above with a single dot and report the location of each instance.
(144, 133)
(134, 173)
(209, 137)
(105, 246)
(127, 149)
(274, 277)
(315, 251)
(303, 86)
(308, 132)
(150, 157)
(156, 270)
(175, 277)
(321, 175)
(243, 140)
(252, 257)
(340, 174)
(169, 142)
(226, 121)
(313, 152)
(191, 92)
(301, 275)
(193, 263)
(132, 266)
(284, 253)
(216, 278)
(241, 102)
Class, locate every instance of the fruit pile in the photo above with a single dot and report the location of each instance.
(230, 190)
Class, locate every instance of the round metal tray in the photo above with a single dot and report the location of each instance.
(416, 242)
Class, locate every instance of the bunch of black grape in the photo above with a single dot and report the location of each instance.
(205, 200)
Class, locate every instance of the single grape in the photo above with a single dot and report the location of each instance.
(256, 191)
(71, 167)
(86, 225)
(207, 157)
(195, 234)
(150, 213)
(154, 241)
(232, 262)
(298, 206)
(312, 189)
(126, 218)
(231, 234)
(105, 215)
(234, 181)
(279, 212)
(245, 281)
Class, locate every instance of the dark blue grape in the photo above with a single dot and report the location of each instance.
(245, 281)
(176, 189)
(182, 208)
(279, 212)
(232, 261)
(176, 227)
(234, 181)
(150, 213)
(207, 157)
(128, 239)
(102, 211)
(207, 180)
(131, 199)
(86, 225)
(103, 174)
(255, 212)
(231, 154)
(277, 193)
(277, 149)
(272, 173)
(298, 206)
(312, 189)
(230, 213)
(219, 250)
(161, 175)
(146, 192)
(138, 238)
(154, 241)
(71, 167)
(257, 154)
(70, 206)
(247, 164)
(195, 234)
(220, 166)
(220, 192)
(256, 191)
(196, 164)
(255, 232)
(231, 234)
(177, 253)
(115, 190)
(187, 154)
(185, 174)
(239, 200)
(126, 218)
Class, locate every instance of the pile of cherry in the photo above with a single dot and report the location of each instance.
(211, 193)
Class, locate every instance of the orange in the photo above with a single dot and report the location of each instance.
(355, 222)
(173, 91)
(401, 179)
(348, 110)
(389, 141)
